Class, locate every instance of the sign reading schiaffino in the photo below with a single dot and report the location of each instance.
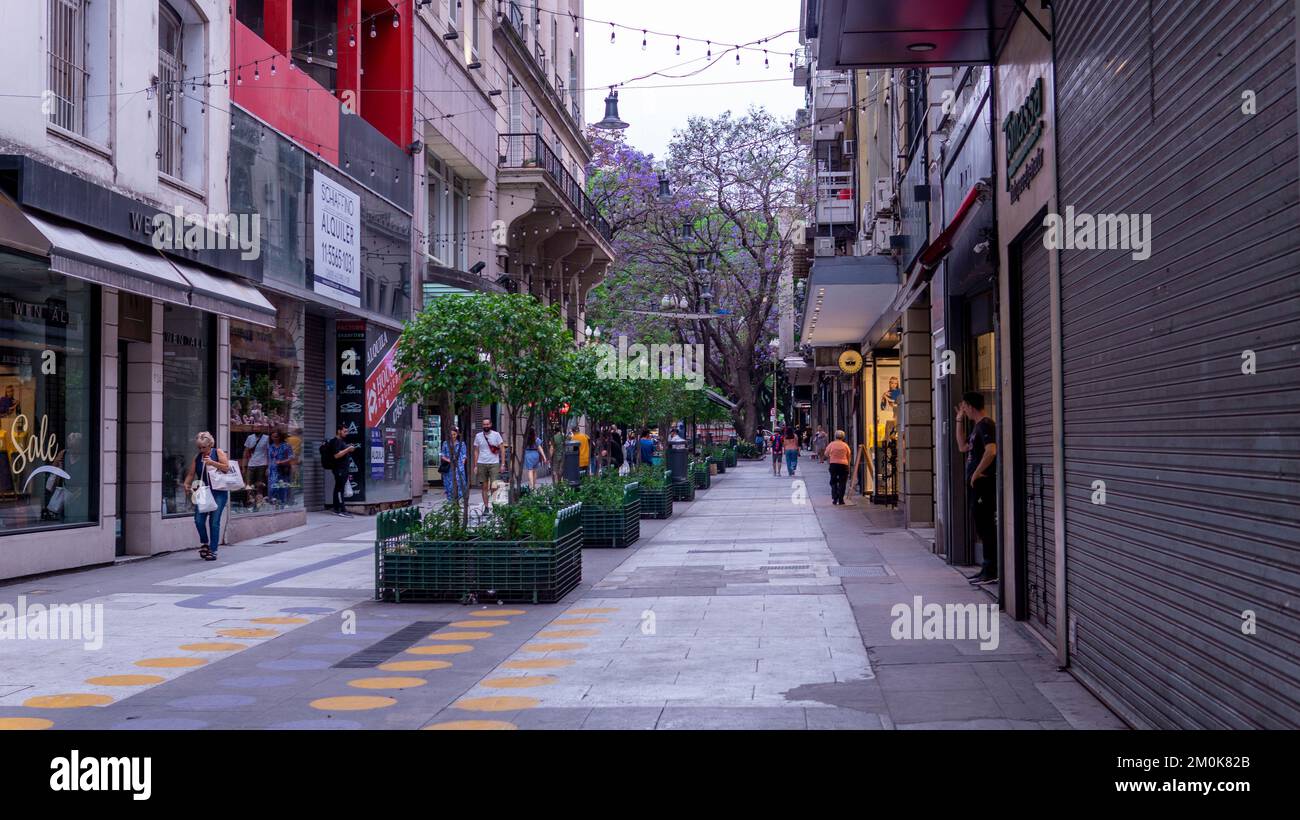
(350, 342)
(337, 233)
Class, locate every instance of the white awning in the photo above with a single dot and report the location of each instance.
(75, 253)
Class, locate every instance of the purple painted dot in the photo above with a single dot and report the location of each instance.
(307, 610)
(162, 723)
(258, 681)
(211, 702)
(293, 665)
(320, 723)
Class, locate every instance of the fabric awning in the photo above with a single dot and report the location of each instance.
(74, 252)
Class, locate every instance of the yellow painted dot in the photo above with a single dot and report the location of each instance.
(244, 632)
(595, 610)
(568, 633)
(579, 620)
(413, 666)
(479, 624)
(495, 613)
(126, 680)
(472, 725)
(66, 701)
(352, 703)
(440, 649)
(459, 636)
(24, 723)
(387, 683)
(213, 646)
(528, 682)
(539, 663)
(280, 619)
(170, 663)
(552, 647)
(495, 704)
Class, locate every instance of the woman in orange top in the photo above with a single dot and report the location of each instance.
(838, 454)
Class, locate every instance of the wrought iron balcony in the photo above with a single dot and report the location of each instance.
(531, 151)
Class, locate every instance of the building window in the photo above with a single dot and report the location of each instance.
(66, 101)
(266, 410)
(189, 397)
(573, 86)
(48, 364)
(170, 90)
(315, 42)
(475, 13)
(448, 202)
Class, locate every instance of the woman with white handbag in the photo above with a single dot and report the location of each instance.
(208, 485)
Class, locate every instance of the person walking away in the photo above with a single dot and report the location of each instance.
(791, 444)
(819, 444)
(279, 459)
(207, 523)
(255, 461)
(557, 454)
(487, 465)
(645, 447)
(775, 444)
(837, 454)
(584, 451)
(630, 449)
(614, 444)
(533, 456)
(981, 449)
(452, 466)
(339, 464)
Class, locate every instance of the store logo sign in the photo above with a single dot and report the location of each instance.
(29, 447)
(1023, 129)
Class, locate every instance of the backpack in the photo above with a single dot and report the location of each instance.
(327, 455)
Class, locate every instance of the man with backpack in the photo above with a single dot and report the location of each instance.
(336, 457)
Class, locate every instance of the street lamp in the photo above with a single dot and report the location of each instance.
(611, 121)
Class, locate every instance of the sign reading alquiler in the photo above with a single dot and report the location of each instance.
(337, 240)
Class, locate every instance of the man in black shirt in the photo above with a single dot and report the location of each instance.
(981, 449)
(341, 469)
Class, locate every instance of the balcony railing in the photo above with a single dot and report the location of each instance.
(835, 200)
(531, 151)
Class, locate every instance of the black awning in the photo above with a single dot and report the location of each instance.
(911, 33)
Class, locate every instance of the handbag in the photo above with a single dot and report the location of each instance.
(232, 480)
(57, 499)
(203, 500)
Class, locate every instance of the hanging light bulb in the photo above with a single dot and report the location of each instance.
(257, 74)
(737, 56)
(397, 19)
(373, 31)
(611, 33)
(708, 54)
(643, 39)
(765, 63)
(239, 78)
(272, 66)
(576, 33)
(310, 57)
(679, 45)
(352, 38)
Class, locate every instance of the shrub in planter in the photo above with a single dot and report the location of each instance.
(701, 475)
(518, 554)
(611, 511)
(684, 489)
(747, 450)
(656, 491)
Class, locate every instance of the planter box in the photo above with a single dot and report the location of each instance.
(684, 489)
(701, 475)
(613, 527)
(508, 571)
(720, 462)
(731, 457)
(657, 503)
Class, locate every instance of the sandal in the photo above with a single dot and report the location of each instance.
(206, 554)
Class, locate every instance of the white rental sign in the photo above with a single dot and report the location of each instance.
(338, 240)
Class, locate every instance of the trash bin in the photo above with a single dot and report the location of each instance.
(677, 460)
(572, 473)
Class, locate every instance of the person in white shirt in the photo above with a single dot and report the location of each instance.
(256, 447)
(487, 444)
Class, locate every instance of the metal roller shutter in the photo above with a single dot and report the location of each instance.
(313, 478)
(1036, 555)
(1200, 522)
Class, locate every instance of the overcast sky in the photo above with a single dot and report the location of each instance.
(655, 112)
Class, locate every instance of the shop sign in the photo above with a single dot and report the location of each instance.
(382, 388)
(376, 453)
(350, 340)
(1023, 129)
(337, 238)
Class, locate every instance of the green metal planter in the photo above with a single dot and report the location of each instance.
(508, 571)
(613, 527)
(700, 475)
(658, 502)
(684, 489)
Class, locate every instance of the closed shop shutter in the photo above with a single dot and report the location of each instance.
(1198, 458)
(1035, 548)
(313, 477)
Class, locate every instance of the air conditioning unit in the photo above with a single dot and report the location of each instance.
(824, 246)
(880, 234)
(847, 148)
(884, 194)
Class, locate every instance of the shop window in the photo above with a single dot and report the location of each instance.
(266, 411)
(189, 398)
(48, 364)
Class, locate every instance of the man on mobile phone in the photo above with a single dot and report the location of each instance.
(981, 449)
(341, 469)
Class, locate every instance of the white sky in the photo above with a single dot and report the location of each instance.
(654, 112)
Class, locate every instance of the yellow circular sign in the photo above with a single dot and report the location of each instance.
(850, 361)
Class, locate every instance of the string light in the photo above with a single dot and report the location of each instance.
(708, 55)
(373, 31)
(643, 39)
(679, 45)
(611, 33)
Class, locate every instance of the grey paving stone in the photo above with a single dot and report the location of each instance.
(821, 718)
(704, 717)
(622, 718)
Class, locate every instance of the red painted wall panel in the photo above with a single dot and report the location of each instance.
(388, 60)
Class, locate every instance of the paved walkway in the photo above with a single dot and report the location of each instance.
(759, 605)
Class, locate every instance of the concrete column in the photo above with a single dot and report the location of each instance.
(108, 511)
(917, 423)
(143, 450)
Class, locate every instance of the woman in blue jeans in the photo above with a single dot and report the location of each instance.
(208, 523)
(791, 444)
